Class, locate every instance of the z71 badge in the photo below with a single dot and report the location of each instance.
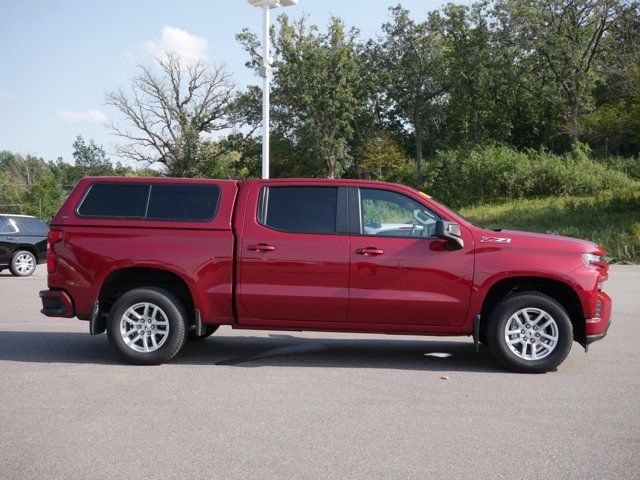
(495, 240)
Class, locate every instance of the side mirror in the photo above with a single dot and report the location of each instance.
(450, 231)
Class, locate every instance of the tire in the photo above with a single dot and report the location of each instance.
(210, 330)
(23, 263)
(165, 326)
(547, 320)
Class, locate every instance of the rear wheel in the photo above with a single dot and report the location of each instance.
(530, 332)
(23, 263)
(147, 326)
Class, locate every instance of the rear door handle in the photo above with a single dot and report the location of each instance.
(369, 251)
(261, 247)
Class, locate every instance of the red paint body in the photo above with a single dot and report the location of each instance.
(337, 282)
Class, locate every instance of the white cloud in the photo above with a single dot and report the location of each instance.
(188, 47)
(88, 116)
(5, 97)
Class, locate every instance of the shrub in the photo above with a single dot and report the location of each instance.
(475, 175)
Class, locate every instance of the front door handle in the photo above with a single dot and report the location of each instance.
(261, 247)
(369, 251)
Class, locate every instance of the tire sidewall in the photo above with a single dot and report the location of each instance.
(499, 318)
(176, 316)
(15, 256)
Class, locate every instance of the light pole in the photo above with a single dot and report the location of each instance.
(267, 5)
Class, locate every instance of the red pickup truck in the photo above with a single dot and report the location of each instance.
(158, 261)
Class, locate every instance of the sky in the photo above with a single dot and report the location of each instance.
(57, 59)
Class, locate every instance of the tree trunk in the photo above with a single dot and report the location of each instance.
(419, 151)
(331, 167)
(574, 122)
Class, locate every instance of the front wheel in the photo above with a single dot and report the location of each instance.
(530, 332)
(147, 326)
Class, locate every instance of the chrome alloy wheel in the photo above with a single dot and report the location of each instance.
(24, 264)
(144, 327)
(531, 334)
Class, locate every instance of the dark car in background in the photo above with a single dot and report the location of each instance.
(23, 243)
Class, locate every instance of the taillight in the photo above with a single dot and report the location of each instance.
(54, 237)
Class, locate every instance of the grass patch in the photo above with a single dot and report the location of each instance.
(609, 218)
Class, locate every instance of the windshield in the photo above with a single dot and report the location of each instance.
(449, 208)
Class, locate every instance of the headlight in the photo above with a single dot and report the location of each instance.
(593, 259)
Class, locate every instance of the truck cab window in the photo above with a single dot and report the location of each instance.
(115, 200)
(186, 203)
(299, 209)
(390, 214)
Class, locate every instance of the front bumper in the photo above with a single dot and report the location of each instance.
(596, 328)
(56, 303)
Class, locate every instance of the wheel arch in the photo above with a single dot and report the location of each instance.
(123, 279)
(560, 291)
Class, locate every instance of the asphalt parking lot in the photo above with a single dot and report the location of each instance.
(245, 404)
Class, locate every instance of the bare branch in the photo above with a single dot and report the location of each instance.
(168, 108)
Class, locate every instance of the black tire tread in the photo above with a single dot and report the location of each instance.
(514, 364)
(126, 299)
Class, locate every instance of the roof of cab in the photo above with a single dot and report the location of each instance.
(154, 180)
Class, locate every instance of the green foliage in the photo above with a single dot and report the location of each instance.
(565, 39)
(412, 55)
(31, 186)
(630, 166)
(216, 162)
(44, 198)
(610, 218)
(380, 157)
(10, 193)
(89, 160)
(313, 88)
(475, 175)
(615, 125)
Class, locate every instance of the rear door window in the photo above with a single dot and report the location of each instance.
(112, 200)
(299, 209)
(31, 226)
(186, 203)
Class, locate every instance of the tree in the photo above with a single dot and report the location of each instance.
(373, 114)
(475, 109)
(23, 171)
(412, 54)
(566, 36)
(90, 157)
(10, 193)
(381, 157)
(169, 109)
(44, 198)
(313, 97)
